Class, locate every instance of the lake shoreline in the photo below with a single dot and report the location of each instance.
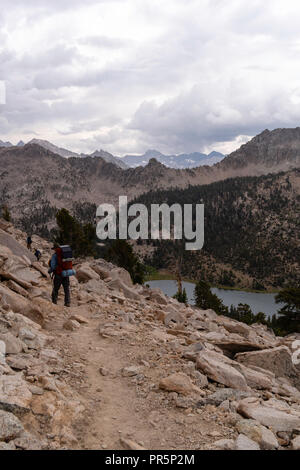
(259, 302)
(164, 276)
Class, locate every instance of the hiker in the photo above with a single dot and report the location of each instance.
(61, 267)
(29, 242)
(37, 254)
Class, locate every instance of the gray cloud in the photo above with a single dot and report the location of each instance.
(127, 75)
(103, 42)
(206, 115)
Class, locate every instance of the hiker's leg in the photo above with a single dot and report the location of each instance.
(66, 285)
(56, 285)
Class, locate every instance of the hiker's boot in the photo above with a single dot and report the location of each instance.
(68, 305)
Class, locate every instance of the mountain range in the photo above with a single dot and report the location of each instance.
(185, 160)
(33, 177)
(172, 161)
(9, 144)
(36, 181)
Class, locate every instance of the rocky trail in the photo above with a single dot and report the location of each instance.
(128, 368)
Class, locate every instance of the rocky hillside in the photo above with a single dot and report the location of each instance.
(251, 231)
(34, 180)
(109, 158)
(127, 367)
(271, 149)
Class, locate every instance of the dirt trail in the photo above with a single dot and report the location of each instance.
(115, 415)
(131, 408)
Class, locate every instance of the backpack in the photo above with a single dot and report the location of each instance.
(64, 261)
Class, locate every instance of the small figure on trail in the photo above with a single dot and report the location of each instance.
(37, 254)
(29, 243)
(61, 266)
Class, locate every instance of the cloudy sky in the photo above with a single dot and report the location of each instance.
(128, 75)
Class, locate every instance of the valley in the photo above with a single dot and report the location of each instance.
(250, 197)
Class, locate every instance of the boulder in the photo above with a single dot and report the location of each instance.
(296, 443)
(201, 379)
(7, 446)
(15, 279)
(122, 274)
(179, 383)
(16, 288)
(95, 286)
(17, 321)
(22, 270)
(5, 252)
(255, 379)
(13, 344)
(13, 300)
(277, 360)
(273, 418)
(34, 339)
(103, 272)
(40, 268)
(224, 394)
(233, 326)
(286, 390)
(71, 325)
(35, 292)
(213, 336)
(19, 304)
(79, 319)
(224, 444)
(175, 317)
(84, 273)
(219, 369)
(244, 443)
(14, 391)
(266, 335)
(235, 344)
(21, 361)
(16, 248)
(129, 292)
(258, 433)
(10, 426)
(157, 296)
(27, 442)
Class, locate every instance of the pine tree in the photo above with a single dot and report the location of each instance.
(181, 296)
(71, 232)
(289, 319)
(206, 300)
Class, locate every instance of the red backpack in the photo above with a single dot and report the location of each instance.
(64, 259)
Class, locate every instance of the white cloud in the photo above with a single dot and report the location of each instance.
(126, 75)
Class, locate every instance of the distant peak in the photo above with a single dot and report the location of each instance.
(154, 162)
(38, 141)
